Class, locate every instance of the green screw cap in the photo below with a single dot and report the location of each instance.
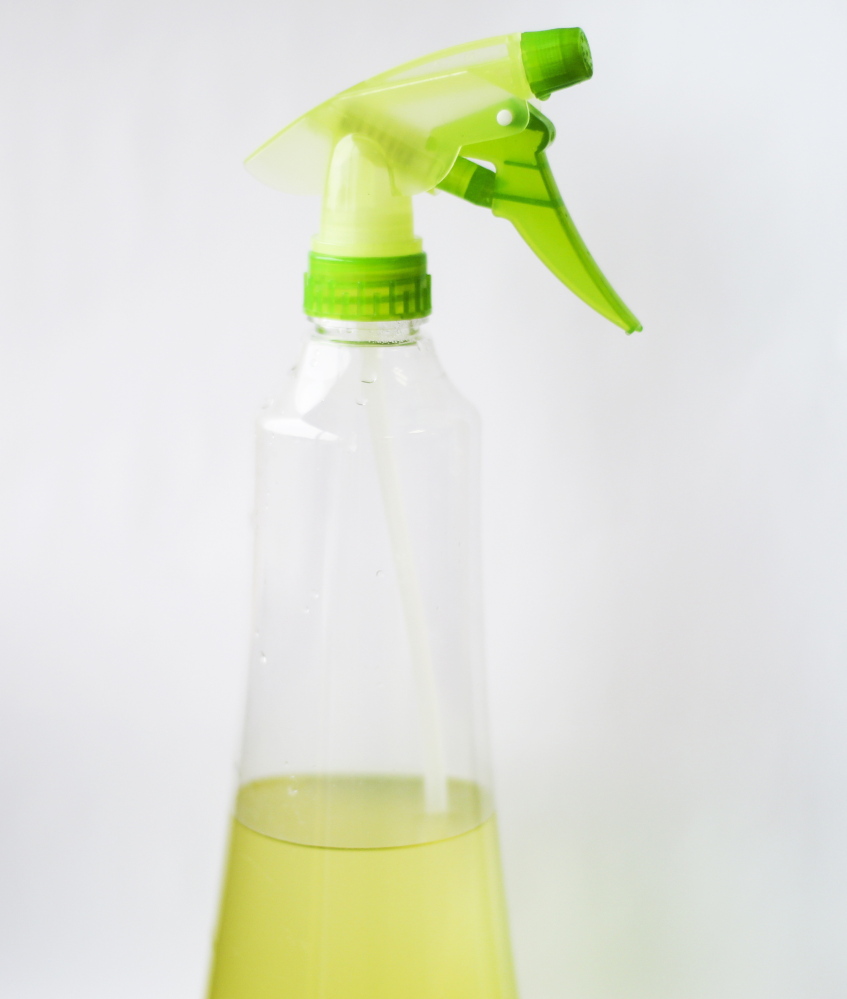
(555, 59)
(367, 288)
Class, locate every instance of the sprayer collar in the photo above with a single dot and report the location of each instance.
(367, 288)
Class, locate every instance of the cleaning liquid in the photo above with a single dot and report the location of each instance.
(346, 887)
(363, 858)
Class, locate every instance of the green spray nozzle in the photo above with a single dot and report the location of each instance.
(555, 59)
(421, 126)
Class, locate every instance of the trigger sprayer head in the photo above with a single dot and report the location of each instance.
(433, 123)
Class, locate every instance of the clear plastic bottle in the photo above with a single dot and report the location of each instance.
(364, 860)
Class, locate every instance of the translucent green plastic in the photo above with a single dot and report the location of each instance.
(523, 190)
(371, 148)
(553, 60)
(420, 115)
(366, 289)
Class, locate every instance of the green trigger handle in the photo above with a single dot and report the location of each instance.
(522, 189)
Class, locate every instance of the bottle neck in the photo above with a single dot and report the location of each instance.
(375, 334)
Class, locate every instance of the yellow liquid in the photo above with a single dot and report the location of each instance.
(392, 904)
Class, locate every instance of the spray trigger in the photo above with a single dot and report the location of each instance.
(523, 190)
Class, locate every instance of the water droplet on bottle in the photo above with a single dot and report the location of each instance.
(292, 791)
(263, 659)
(361, 402)
(379, 572)
(305, 610)
(369, 379)
(314, 594)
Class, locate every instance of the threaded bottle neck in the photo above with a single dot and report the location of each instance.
(368, 334)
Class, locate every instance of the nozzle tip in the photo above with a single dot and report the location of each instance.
(555, 59)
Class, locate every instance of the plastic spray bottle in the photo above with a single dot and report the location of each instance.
(363, 859)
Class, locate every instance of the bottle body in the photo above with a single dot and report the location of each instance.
(363, 859)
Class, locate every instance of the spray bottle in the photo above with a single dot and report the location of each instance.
(363, 858)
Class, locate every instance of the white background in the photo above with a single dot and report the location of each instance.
(666, 547)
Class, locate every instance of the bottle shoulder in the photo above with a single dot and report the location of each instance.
(337, 389)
